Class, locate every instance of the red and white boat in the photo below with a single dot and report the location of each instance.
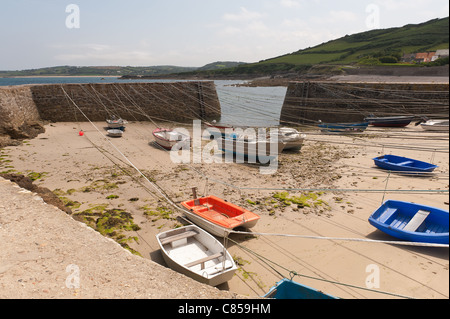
(218, 216)
(167, 138)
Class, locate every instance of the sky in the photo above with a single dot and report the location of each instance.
(45, 33)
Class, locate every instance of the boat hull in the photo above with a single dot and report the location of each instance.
(115, 133)
(218, 216)
(395, 217)
(403, 164)
(218, 130)
(343, 127)
(210, 227)
(167, 138)
(116, 124)
(184, 248)
(390, 121)
(294, 139)
(288, 289)
(435, 125)
(253, 149)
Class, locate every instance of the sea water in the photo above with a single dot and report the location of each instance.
(240, 105)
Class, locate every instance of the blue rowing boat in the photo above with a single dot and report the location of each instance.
(288, 289)
(403, 164)
(343, 127)
(412, 222)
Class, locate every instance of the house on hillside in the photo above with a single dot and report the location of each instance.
(440, 54)
(419, 57)
(424, 57)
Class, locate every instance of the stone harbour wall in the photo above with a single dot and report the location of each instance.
(19, 117)
(178, 102)
(333, 102)
(24, 109)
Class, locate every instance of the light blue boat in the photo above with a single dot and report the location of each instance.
(288, 289)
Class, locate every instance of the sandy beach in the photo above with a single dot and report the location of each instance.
(336, 175)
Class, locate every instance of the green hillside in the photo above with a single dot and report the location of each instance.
(363, 48)
(99, 71)
(130, 71)
(429, 36)
(219, 65)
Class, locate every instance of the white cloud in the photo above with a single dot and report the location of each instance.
(243, 15)
(342, 15)
(243, 26)
(100, 54)
(290, 3)
(395, 5)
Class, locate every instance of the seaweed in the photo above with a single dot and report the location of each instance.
(110, 223)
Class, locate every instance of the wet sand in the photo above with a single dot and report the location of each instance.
(335, 174)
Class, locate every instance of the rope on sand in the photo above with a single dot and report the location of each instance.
(294, 273)
(401, 243)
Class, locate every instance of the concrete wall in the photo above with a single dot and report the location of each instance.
(23, 109)
(308, 102)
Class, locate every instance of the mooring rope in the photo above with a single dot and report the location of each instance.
(400, 243)
(228, 232)
(294, 273)
(166, 197)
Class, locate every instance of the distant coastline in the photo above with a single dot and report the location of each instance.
(58, 76)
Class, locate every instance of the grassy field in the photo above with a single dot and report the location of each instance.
(430, 36)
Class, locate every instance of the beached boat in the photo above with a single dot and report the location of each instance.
(343, 127)
(293, 138)
(412, 222)
(218, 216)
(167, 138)
(115, 133)
(218, 130)
(193, 252)
(251, 149)
(288, 289)
(389, 121)
(435, 125)
(403, 164)
(227, 130)
(117, 123)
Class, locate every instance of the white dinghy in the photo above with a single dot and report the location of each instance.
(115, 133)
(195, 253)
